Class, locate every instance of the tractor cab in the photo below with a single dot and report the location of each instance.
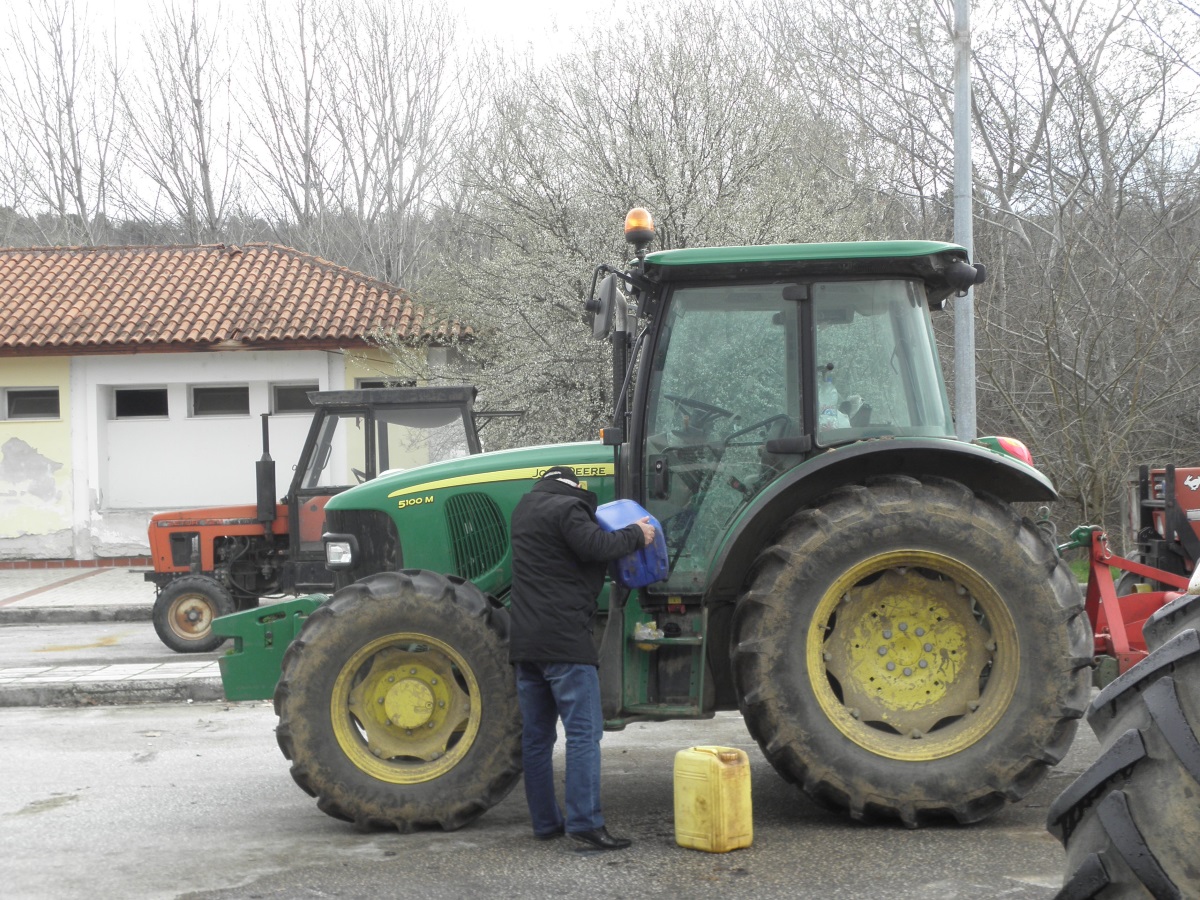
(754, 360)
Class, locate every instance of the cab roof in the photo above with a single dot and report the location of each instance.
(926, 260)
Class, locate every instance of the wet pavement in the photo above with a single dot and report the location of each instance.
(80, 637)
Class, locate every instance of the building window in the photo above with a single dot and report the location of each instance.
(221, 400)
(31, 403)
(139, 403)
(291, 398)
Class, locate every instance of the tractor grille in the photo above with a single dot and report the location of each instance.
(378, 543)
(477, 533)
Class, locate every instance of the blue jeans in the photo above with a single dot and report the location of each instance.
(547, 691)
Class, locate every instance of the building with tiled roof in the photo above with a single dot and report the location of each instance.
(132, 379)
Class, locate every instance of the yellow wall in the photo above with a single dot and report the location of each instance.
(35, 454)
(409, 448)
(376, 364)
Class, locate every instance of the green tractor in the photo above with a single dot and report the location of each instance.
(843, 570)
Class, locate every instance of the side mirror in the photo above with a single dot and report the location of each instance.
(962, 275)
(605, 303)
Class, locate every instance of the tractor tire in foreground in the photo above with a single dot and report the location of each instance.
(910, 649)
(184, 611)
(397, 706)
(1131, 822)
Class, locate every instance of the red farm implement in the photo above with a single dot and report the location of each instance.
(1117, 619)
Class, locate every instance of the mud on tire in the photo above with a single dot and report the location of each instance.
(397, 706)
(1131, 822)
(908, 648)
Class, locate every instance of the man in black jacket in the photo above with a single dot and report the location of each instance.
(559, 556)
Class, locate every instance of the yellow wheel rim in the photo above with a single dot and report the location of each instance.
(405, 708)
(913, 655)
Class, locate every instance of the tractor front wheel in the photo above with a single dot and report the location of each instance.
(184, 611)
(397, 706)
(911, 649)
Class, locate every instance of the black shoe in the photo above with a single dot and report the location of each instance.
(600, 839)
(549, 835)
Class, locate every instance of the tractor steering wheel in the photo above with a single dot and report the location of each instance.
(778, 417)
(701, 415)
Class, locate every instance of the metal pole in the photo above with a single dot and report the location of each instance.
(964, 307)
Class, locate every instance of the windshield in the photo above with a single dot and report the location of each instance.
(725, 394)
(875, 364)
(402, 439)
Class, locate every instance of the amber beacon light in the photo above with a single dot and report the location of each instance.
(639, 228)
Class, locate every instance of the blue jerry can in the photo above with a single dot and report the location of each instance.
(644, 566)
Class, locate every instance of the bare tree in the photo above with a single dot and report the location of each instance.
(184, 138)
(391, 108)
(288, 115)
(59, 144)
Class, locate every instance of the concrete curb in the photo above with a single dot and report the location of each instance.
(111, 693)
(60, 615)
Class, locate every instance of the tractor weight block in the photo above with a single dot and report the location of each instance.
(251, 669)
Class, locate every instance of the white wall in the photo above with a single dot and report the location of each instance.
(138, 466)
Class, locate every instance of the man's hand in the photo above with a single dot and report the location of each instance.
(647, 531)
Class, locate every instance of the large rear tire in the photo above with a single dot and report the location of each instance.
(397, 705)
(910, 649)
(1131, 822)
(184, 611)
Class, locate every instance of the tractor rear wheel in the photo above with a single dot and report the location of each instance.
(184, 611)
(397, 706)
(1131, 822)
(910, 649)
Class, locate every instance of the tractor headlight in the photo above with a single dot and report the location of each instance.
(340, 550)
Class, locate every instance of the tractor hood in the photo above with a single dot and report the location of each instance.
(216, 515)
(591, 460)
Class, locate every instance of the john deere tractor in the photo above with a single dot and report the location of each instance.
(844, 571)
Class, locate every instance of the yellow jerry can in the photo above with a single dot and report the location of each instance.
(712, 799)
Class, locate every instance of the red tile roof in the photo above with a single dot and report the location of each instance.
(78, 300)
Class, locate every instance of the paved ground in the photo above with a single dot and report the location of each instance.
(47, 659)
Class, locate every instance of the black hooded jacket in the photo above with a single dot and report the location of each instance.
(559, 557)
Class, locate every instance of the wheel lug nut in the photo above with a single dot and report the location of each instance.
(380, 700)
(920, 632)
(408, 731)
(430, 725)
(412, 671)
(827, 656)
(391, 678)
(923, 664)
(883, 651)
(441, 703)
(887, 635)
(929, 648)
(907, 670)
(433, 681)
(891, 667)
(854, 713)
(904, 626)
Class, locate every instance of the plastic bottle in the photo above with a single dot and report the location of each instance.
(828, 414)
